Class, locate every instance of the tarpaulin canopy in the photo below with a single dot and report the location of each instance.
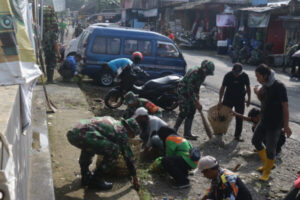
(17, 66)
(17, 58)
(258, 20)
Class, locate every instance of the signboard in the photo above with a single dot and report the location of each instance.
(259, 2)
(151, 13)
(226, 21)
(258, 20)
(59, 5)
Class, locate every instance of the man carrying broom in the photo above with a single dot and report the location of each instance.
(188, 91)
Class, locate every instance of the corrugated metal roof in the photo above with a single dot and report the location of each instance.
(199, 3)
(269, 7)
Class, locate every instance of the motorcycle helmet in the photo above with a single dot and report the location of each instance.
(208, 66)
(137, 57)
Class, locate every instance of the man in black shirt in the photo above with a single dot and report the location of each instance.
(274, 117)
(237, 84)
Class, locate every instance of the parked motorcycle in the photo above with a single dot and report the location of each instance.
(161, 91)
(187, 41)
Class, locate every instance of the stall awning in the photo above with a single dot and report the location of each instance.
(290, 18)
(191, 5)
(197, 4)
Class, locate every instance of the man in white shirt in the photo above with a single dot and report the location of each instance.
(150, 125)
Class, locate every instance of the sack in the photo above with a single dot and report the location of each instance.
(195, 154)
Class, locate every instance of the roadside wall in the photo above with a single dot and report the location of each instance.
(14, 169)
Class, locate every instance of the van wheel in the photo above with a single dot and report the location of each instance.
(106, 78)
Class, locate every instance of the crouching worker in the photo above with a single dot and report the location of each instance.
(68, 69)
(180, 157)
(108, 137)
(133, 102)
(254, 116)
(225, 184)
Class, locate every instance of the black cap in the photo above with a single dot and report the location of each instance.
(237, 68)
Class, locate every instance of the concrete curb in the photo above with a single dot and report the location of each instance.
(40, 176)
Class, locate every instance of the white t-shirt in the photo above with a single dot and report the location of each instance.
(155, 123)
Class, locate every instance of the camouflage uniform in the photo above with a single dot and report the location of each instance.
(134, 103)
(243, 54)
(49, 41)
(103, 136)
(290, 60)
(256, 57)
(236, 45)
(49, 18)
(188, 91)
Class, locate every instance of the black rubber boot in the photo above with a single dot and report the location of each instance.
(86, 175)
(178, 123)
(97, 182)
(187, 129)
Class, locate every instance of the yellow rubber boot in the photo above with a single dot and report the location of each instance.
(267, 170)
(263, 156)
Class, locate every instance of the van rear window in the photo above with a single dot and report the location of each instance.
(106, 45)
(144, 46)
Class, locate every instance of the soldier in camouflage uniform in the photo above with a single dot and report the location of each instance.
(49, 18)
(108, 137)
(236, 45)
(256, 57)
(188, 91)
(133, 103)
(51, 51)
(289, 60)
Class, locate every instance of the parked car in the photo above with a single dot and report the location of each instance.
(101, 44)
(71, 48)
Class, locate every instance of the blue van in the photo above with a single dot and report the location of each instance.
(103, 44)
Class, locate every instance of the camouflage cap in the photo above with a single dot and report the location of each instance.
(133, 125)
(130, 98)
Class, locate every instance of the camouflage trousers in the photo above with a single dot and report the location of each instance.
(91, 142)
(186, 107)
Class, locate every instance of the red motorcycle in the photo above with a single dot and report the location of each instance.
(294, 193)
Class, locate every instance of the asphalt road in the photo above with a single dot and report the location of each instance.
(223, 65)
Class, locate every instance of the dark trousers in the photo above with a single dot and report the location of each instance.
(294, 194)
(177, 168)
(239, 107)
(270, 136)
(295, 63)
(281, 142)
(243, 193)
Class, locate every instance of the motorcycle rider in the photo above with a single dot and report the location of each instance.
(117, 65)
(188, 91)
(133, 102)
